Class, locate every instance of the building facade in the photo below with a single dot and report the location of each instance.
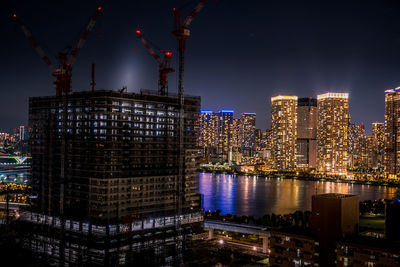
(307, 117)
(356, 136)
(333, 217)
(208, 133)
(284, 131)
(105, 172)
(109, 155)
(248, 133)
(293, 249)
(378, 136)
(392, 123)
(332, 133)
(367, 251)
(225, 133)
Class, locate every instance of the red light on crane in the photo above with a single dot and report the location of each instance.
(15, 16)
(99, 8)
(138, 32)
(168, 54)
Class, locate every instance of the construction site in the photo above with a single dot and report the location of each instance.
(114, 173)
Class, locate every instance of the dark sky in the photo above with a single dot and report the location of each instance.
(239, 55)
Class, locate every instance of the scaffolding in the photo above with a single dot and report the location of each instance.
(107, 162)
(105, 245)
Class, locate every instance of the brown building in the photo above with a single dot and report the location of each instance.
(333, 216)
(307, 117)
(293, 249)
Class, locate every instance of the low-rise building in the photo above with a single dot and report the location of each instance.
(293, 248)
(366, 251)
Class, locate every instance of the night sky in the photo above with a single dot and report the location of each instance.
(239, 55)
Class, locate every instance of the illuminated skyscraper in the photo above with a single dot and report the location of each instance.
(23, 136)
(378, 135)
(392, 123)
(332, 135)
(356, 136)
(284, 131)
(258, 137)
(225, 133)
(307, 116)
(208, 133)
(247, 133)
(236, 134)
(367, 152)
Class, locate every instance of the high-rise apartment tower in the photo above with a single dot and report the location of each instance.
(332, 140)
(248, 133)
(392, 127)
(284, 131)
(225, 133)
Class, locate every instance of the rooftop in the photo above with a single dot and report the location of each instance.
(283, 97)
(333, 95)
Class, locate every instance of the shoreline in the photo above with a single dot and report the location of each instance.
(307, 178)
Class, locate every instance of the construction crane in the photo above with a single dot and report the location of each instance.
(182, 32)
(65, 60)
(163, 65)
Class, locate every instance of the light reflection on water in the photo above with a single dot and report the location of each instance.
(252, 195)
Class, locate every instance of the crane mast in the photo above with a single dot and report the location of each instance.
(182, 32)
(163, 65)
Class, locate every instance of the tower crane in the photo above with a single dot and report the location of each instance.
(63, 73)
(181, 32)
(163, 65)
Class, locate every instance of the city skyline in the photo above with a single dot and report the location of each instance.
(359, 58)
(260, 140)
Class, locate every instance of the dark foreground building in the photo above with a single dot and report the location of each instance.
(293, 247)
(367, 251)
(392, 219)
(105, 171)
(334, 216)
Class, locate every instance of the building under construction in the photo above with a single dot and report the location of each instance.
(106, 174)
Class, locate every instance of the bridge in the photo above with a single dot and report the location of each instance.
(14, 169)
(19, 176)
(260, 231)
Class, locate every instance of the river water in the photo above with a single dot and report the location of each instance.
(252, 195)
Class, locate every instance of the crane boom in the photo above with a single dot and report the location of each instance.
(163, 65)
(148, 47)
(194, 12)
(35, 44)
(84, 36)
